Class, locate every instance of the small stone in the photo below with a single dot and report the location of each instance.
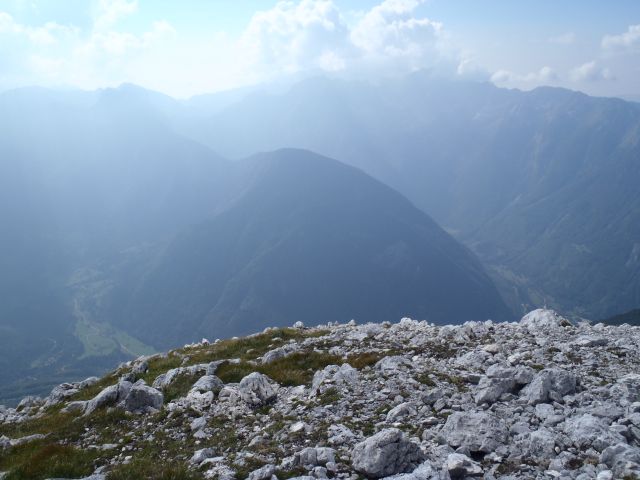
(201, 455)
(298, 427)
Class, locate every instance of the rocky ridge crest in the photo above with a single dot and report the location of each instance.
(537, 399)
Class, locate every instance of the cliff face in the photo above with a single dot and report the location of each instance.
(526, 400)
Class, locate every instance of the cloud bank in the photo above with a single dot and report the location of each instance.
(124, 43)
(292, 37)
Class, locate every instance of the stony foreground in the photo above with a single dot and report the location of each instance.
(538, 399)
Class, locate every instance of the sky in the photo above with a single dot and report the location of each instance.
(189, 47)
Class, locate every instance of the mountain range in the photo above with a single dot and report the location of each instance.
(134, 222)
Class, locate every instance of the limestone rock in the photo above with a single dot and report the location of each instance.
(543, 320)
(476, 431)
(386, 453)
(589, 431)
(278, 353)
(623, 459)
(208, 383)
(314, 456)
(339, 435)
(201, 455)
(406, 409)
(549, 384)
(262, 473)
(501, 379)
(343, 375)
(257, 389)
(460, 467)
(142, 398)
(108, 397)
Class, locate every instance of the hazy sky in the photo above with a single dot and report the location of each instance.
(187, 47)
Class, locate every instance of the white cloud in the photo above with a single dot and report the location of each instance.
(591, 72)
(110, 11)
(629, 40)
(47, 34)
(101, 55)
(116, 43)
(291, 37)
(314, 34)
(105, 39)
(567, 38)
(390, 29)
(546, 75)
(469, 68)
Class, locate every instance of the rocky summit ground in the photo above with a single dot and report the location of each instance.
(537, 399)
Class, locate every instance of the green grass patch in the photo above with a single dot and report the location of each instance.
(299, 367)
(150, 467)
(160, 365)
(180, 386)
(234, 372)
(224, 436)
(329, 396)
(248, 348)
(41, 460)
(164, 458)
(455, 380)
(293, 473)
(436, 350)
(425, 379)
(69, 427)
(295, 369)
(249, 466)
(366, 359)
